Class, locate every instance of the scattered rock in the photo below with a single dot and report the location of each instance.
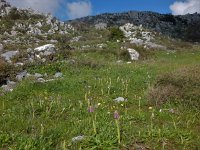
(101, 26)
(1, 47)
(19, 64)
(58, 75)
(41, 80)
(44, 50)
(120, 99)
(136, 41)
(21, 75)
(133, 54)
(47, 47)
(78, 138)
(75, 39)
(37, 75)
(102, 45)
(9, 55)
(39, 24)
(156, 46)
(9, 86)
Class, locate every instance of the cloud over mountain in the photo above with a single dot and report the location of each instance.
(185, 7)
(45, 6)
(79, 9)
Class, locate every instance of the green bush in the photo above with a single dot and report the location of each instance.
(4, 69)
(181, 85)
(116, 34)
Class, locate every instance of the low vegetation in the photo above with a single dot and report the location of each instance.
(160, 92)
(181, 85)
(54, 115)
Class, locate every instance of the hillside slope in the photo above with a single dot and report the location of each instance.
(74, 86)
(185, 26)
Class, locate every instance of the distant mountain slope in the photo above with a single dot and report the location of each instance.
(185, 27)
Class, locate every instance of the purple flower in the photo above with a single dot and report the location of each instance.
(116, 115)
(90, 109)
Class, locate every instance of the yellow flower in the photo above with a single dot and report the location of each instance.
(122, 105)
(99, 104)
(150, 108)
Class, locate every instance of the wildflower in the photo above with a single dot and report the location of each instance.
(93, 118)
(150, 108)
(90, 109)
(116, 115)
(99, 104)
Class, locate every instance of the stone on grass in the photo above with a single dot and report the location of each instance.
(133, 54)
(1, 47)
(41, 80)
(21, 75)
(78, 138)
(9, 86)
(9, 55)
(120, 99)
(154, 45)
(47, 47)
(38, 75)
(58, 75)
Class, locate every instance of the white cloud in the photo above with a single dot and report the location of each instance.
(185, 7)
(79, 9)
(45, 6)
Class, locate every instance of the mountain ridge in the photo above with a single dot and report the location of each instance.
(180, 26)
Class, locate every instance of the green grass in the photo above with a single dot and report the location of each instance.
(48, 115)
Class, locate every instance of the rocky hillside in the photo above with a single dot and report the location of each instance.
(30, 39)
(185, 27)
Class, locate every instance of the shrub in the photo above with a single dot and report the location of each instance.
(124, 55)
(3, 74)
(181, 85)
(116, 34)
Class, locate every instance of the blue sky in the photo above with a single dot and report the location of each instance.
(70, 9)
(103, 6)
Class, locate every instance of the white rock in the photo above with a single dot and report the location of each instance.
(1, 47)
(101, 26)
(47, 47)
(38, 75)
(154, 45)
(78, 138)
(41, 80)
(19, 64)
(21, 75)
(39, 24)
(9, 55)
(53, 41)
(133, 54)
(120, 99)
(13, 33)
(136, 41)
(58, 75)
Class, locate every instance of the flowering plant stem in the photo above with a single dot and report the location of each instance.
(118, 131)
(94, 124)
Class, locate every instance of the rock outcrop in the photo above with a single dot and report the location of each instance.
(183, 26)
(5, 8)
(133, 54)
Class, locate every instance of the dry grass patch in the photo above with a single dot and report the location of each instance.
(182, 85)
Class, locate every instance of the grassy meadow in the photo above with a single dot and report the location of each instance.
(77, 111)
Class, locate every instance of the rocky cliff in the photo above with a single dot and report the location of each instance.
(185, 27)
